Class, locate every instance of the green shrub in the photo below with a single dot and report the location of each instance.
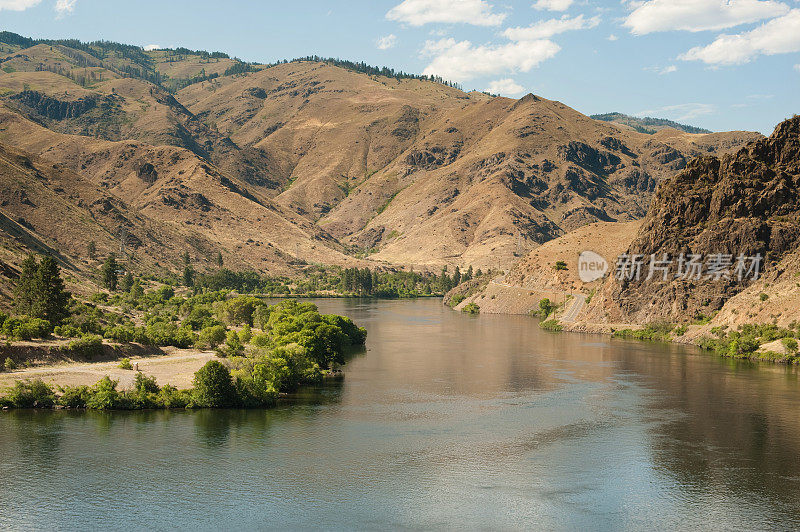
(681, 330)
(104, 395)
(457, 299)
(26, 328)
(171, 397)
(233, 345)
(125, 363)
(75, 396)
(560, 265)
(31, 394)
(211, 337)
(763, 297)
(9, 364)
(551, 325)
(355, 334)
(790, 344)
(90, 346)
(260, 340)
(471, 308)
(246, 334)
(546, 307)
(213, 386)
(67, 331)
(654, 332)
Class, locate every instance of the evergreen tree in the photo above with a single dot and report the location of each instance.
(91, 250)
(218, 259)
(468, 275)
(24, 292)
(110, 274)
(188, 276)
(457, 277)
(52, 301)
(127, 282)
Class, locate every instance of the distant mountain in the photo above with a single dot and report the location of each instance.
(307, 161)
(647, 124)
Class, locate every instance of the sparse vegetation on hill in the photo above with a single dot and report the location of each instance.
(647, 124)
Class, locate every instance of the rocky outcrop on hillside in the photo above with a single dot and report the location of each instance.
(728, 211)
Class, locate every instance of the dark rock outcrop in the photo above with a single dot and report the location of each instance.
(747, 204)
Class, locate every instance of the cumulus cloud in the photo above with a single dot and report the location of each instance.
(699, 15)
(17, 5)
(386, 42)
(151, 47)
(778, 36)
(421, 12)
(462, 60)
(65, 6)
(548, 28)
(506, 87)
(683, 111)
(552, 5)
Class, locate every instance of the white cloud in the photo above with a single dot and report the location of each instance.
(612, 37)
(386, 42)
(683, 111)
(552, 5)
(699, 15)
(151, 47)
(17, 5)
(548, 28)
(778, 36)
(797, 67)
(65, 6)
(506, 87)
(421, 12)
(462, 61)
(668, 70)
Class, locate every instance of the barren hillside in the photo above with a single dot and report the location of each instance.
(310, 161)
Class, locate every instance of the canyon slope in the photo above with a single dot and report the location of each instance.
(745, 203)
(312, 161)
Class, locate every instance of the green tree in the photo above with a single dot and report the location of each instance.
(218, 259)
(52, 300)
(188, 276)
(127, 282)
(213, 386)
(91, 250)
(25, 292)
(109, 272)
(545, 307)
(188, 270)
(468, 275)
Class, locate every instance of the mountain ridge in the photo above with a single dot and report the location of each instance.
(297, 162)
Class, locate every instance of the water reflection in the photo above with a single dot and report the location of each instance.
(446, 421)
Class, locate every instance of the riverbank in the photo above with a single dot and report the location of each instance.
(743, 341)
(174, 367)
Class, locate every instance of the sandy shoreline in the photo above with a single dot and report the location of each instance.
(176, 367)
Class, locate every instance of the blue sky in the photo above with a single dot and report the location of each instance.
(719, 64)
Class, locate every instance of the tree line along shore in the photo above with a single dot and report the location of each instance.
(264, 349)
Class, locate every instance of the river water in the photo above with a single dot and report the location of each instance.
(445, 421)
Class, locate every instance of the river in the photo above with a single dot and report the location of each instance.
(445, 421)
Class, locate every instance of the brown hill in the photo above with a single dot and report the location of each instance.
(308, 161)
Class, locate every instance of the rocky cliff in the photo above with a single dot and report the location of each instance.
(718, 209)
